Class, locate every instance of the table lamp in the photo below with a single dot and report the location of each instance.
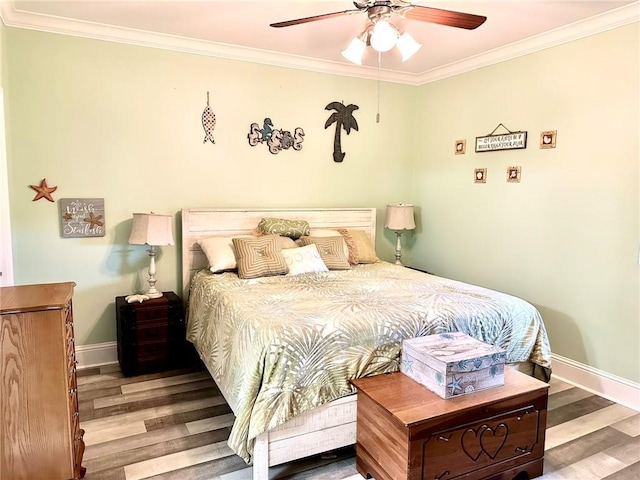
(153, 230)
(399, 219)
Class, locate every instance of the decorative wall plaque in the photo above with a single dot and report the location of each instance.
(513, 174)
(507, 141)
(548, 139)
(480, 175)
(460, 147)
(82, 217)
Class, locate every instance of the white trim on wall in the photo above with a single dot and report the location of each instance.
(588, 378)
(596, 381)
(97, 354)
(6, 252)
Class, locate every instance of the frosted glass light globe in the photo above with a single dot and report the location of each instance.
(383, 37)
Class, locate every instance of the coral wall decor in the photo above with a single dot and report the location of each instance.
(276, 139)
(44, 190)
(343, 119)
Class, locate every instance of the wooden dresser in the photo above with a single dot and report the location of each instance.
(40, 430)
(406, 432)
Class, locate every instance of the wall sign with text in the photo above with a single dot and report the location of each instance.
(507, 141)
(81, 217)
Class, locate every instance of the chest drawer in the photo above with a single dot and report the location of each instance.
(151, 315)
(482, 443)
(152, 332)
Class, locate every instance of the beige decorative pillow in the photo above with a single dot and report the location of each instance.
(281, 226)
(331, 250)
(220, 253)
(304, 260)
(286, 242)
(326, 232)
(361, 250)
(259, 257)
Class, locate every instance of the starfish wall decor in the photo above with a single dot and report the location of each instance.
(44, 190)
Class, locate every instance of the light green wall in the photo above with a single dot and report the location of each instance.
(566, 237)
(123, 123)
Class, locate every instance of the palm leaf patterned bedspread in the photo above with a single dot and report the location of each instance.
(279, 346)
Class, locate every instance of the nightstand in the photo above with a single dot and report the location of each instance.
(151, 335)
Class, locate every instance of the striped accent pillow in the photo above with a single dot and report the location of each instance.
(259, 257)
(331, 251)
(361, 249)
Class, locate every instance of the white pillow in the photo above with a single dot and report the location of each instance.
(220, 252)
(304, 260)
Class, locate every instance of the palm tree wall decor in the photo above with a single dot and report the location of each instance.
(343, 119)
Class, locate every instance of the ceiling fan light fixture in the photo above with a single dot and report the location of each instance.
(384, 36)
(355, 51)
(408, 46)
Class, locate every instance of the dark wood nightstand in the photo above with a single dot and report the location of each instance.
(151, 335)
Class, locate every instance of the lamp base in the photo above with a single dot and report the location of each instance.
(398, 248)
(153, 294)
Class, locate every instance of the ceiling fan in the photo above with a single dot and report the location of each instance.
(382, 9)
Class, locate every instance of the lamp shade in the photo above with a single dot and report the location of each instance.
(400, 217)
(151, 229)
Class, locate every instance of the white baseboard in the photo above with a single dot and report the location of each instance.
(601, 383)
(596, 381)
(96, 354)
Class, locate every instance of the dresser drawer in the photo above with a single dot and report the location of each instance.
(151, 315)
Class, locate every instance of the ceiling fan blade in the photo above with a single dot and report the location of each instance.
(298, 21)
(442, 17)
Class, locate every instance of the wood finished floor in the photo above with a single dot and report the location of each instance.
(174, 426)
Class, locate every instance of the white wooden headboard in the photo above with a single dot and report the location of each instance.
(198, 223)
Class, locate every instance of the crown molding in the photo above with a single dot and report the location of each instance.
(591, 26)
(12, 17)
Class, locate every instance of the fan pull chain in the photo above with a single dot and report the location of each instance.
(378, 107)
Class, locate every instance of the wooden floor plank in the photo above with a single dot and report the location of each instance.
(166, 382)
(591, 403)
(123, 397)
(186, 458)
(157, 451)
(150, 413)
(630, 426)
(586, 424)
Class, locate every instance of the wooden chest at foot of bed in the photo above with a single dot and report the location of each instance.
(451, 364)
(406, 432)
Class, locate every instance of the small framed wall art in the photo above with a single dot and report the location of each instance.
(513, 174)
(460, 147)
(480, 175)
(82, 217)
(548, 139)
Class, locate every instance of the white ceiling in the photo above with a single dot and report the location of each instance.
(240, 29)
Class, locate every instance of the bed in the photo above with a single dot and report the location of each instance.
(283, 348)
